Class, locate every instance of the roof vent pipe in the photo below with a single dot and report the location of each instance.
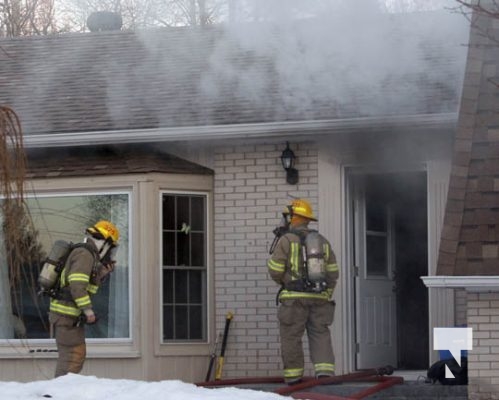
(104, 21)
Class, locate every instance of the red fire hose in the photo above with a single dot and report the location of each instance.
(296, 391)
(388, 370)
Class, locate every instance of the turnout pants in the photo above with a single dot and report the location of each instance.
(314, 316)
(71, 347)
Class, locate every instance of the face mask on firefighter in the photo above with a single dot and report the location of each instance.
(109, 254)
(105, 248)
(283, 226)
(281, 229)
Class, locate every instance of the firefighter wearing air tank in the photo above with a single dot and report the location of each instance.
(304, 265)
(85, 268)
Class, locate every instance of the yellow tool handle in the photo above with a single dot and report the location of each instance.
(221, 359)
(220, 367)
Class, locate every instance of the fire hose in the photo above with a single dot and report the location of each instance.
(296, 391)
(388, 370)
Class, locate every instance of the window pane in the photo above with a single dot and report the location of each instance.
(181, 322)
(197, 213)
(196, 279)
(182, 212)
(168, 323)
(196, 322)
(376, 218)
(183, 249)
(22, 312)
(197, 241)
(169, 248)
(169, 212)
(181, 286)
(377, 260)
(168, 286)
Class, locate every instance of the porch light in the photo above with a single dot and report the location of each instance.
(288, 162)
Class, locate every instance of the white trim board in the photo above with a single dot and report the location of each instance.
(473, 283)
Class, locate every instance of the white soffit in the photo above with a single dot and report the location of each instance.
(242, 131)
(478, 283)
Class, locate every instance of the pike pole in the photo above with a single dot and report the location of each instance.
(221, 359)
(213, 357)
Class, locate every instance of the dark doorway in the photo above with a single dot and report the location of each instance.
(403, 195)
(411, 255)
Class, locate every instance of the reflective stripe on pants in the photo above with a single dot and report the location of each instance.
(314, 317)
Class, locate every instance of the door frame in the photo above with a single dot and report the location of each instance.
(348, 250)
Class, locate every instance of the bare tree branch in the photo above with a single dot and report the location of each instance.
(472, 10)
(26, 17)
(478, 7)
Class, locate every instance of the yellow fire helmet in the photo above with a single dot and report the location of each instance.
(107, 230)
(302, 208)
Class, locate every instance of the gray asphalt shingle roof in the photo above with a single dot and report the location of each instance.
(106, 160)
(257, 73)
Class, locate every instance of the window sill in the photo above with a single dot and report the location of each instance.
(22, 349)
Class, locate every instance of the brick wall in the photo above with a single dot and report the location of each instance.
(483, 360)
(250, 194)
(460, 311)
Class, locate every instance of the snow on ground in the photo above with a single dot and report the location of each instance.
(81, 387)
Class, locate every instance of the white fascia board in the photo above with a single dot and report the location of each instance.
(241, 131)
(472, 283)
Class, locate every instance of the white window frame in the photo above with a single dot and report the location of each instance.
(208, 218)
(96, 347)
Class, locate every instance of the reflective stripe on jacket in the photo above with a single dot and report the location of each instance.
(76, 283)
(286, 266)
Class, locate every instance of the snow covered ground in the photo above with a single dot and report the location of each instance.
(80, 387)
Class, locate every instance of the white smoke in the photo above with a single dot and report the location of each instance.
(351, 56)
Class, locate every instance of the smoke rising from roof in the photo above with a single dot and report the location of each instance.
(290, 61)
(344, 56)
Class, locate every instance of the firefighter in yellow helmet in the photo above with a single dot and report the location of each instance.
(304, 265)
(87, 265)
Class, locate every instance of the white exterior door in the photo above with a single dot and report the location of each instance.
(375, 302)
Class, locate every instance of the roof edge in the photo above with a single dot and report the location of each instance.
(240, 131)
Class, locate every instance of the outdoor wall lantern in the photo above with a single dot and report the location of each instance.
(288, 163)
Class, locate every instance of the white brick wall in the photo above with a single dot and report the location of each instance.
(460, 307)
(250, 194)
(483, 360)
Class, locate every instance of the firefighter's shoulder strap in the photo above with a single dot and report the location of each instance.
(302, 235)
(87, 246)
(62, 285)
(74, 246)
